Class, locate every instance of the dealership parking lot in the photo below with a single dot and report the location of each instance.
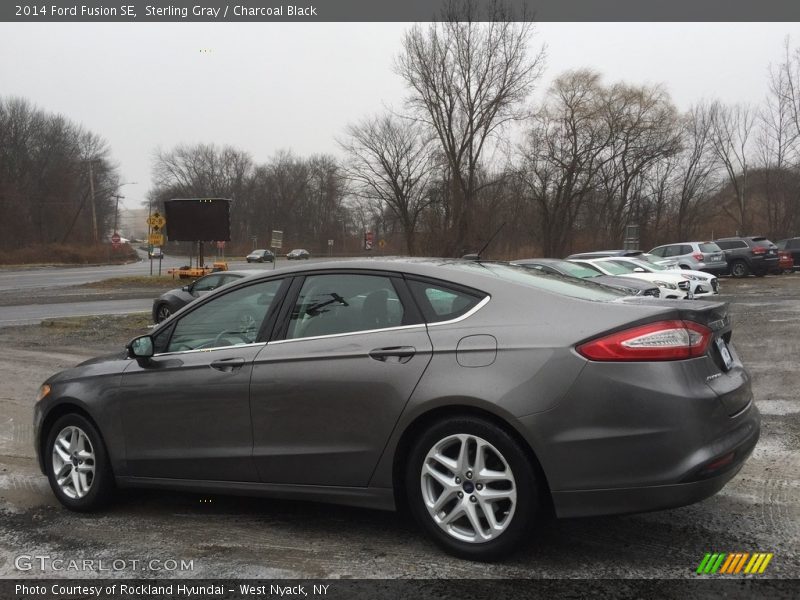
(186, 535)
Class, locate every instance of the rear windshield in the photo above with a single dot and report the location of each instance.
(709, 247)
(556, 284)
(762, 242)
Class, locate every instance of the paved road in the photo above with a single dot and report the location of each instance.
(31, 314)
(47, 277)
(55, 278)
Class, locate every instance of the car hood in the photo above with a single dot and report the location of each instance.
(108, 364)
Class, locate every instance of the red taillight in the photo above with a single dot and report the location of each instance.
(665, 340)
(698, 256)
(759, 250)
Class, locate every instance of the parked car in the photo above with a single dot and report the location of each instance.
(697, 256)
(624, 253)
(260, 256)
(785, 263)
(299, 254)
(173, 300)
(792, 246)
(155, 253)
(474, 393)
(746, 255)
(565, 268)
(700, 282)
(604, 254)
(672, 285)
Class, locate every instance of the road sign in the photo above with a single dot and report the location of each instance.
(330, 242)
(220, 245)
(156, 221)
(115, 239)
(277, 238)
(156, 239)
(368, 238)
(382, 244)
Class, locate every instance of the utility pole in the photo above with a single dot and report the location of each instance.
(94, 206)
(116, 211)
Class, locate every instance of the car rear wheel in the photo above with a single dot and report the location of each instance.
(77, 464)
(163, 312)
(472, 488)
(740, 269)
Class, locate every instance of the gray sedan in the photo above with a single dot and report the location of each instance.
(474, 394)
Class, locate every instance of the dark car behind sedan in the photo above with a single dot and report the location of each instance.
(473, 393)
(260, 256)
(174, 300)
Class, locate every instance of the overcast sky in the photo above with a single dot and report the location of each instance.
(263, 87)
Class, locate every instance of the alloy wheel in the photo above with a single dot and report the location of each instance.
(73, 462)
(468, 488)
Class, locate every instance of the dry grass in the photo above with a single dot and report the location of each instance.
(59, 254)
(162, 282)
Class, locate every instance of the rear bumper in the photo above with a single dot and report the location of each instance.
(696, 487)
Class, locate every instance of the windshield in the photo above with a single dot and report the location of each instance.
(576, 270)
(557, 284)
(615, 268)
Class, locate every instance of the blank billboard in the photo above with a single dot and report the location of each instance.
(198, 219)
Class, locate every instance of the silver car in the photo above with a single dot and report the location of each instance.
(697, 256)
(472, 393)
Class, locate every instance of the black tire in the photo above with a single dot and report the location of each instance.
(101, 483)
(162, 312)
(525, 509)
(740, 269)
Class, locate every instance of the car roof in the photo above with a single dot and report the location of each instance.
(469, 273)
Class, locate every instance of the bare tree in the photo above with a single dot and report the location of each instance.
(467, 80)
(563, 153)
(390, 162)
(731, 130)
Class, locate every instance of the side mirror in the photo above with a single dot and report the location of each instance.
(140, 347)
(185, 288)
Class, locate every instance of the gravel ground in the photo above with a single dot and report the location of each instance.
(758, 511)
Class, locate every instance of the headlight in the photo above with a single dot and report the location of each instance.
(43, 392)
(664, 284)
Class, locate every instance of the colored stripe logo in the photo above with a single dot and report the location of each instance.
(733, 563)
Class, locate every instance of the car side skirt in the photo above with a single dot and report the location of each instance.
(370, 497)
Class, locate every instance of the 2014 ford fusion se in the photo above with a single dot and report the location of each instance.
(470, 392)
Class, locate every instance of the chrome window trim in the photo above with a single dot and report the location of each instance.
(210, 349)
(466, 315)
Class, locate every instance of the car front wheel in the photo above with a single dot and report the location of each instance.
(472, 488)
(77, 464)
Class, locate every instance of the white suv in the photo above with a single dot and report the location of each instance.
(698, 256)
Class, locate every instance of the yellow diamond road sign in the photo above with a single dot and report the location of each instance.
(156, 221)
(156, 239)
